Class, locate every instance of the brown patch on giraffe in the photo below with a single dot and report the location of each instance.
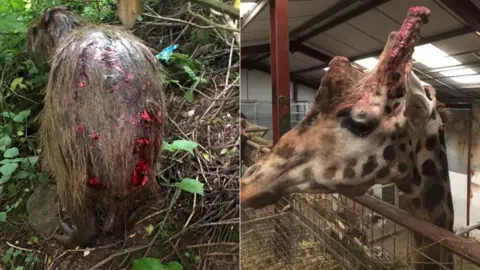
(441, 136)
(433, 197)
(354, 190)
(402, 167)
(389, 153)
(258, 200)
(348, 173)
(351, 162)
(295, 161)
(285, 151)
(315, 186)
(369, 166)
(443, 164)
(441, 220)
(388, 110)
(382, 172)
(330, 172)
(416, 202)
(308, 174)
(431, 142)
(429, 168)
(419, 146)
(405, 187)
(417, 179)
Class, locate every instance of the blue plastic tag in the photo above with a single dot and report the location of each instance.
(166, 53)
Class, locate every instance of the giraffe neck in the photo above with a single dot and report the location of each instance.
(428, 192)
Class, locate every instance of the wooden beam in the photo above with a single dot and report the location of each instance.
(248, 18)
(436, 38)
(254, 49)
(466, 10)
(321, 17)
(280, 68)
(294, 47)
(341, 19)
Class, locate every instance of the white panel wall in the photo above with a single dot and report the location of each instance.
(306, 93)
(257, 85)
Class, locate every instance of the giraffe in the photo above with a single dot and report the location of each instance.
(364, 129)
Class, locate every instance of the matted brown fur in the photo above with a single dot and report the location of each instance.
(104, 92)
(47, 31)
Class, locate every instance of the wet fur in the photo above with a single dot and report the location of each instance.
(87, 127)
(47, 31)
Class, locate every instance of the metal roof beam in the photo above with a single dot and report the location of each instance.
(436, 38)
(466, 10)
(248, 18)
(341, 19)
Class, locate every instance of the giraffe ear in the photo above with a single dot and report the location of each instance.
(420, 102)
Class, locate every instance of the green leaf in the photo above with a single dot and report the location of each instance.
(5, 178)
(7, 129)
(191, 185)
(5, 141)
(20, 267)
(18, 119)
(185, 145)
(43, 178)
(17, 252)
(174, 266)
(168, 147)
(33, 160)
(147, 264)
(22, 175)
(8, 169)
(8, 114)
(24, 114)
(196, 258)
(12, 189)
(33, 240)
(188, 96)
(148, 229)
(8, 161)
(190, 72)
(139, 18)
(3, 216)
(11, 152)
(86, 252)
(17, 83)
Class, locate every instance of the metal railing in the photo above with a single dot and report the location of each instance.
(260, 113)
(336, 232)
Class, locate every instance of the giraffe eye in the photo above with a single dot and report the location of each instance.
(360, 129)
(358, 124)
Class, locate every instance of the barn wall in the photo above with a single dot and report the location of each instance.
(456, 133)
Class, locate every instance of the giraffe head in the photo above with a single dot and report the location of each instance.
(345, 143)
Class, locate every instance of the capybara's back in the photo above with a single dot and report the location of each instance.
(103, 118)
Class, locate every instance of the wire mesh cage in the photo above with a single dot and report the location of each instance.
(330, 232)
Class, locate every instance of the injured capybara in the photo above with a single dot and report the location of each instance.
(102, 123)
